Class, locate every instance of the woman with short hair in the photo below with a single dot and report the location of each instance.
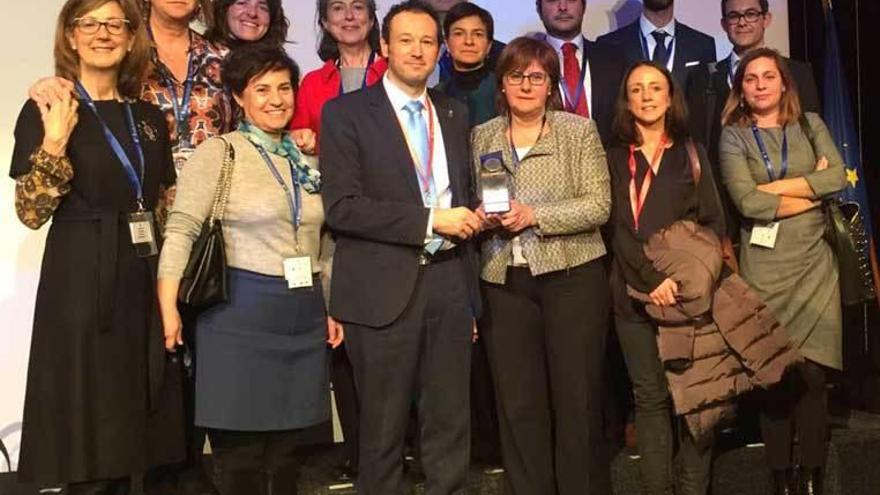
(262, 373)
(544, 282)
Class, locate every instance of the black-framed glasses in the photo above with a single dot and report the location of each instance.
(516, 78)
(751, 16)
(90, 25)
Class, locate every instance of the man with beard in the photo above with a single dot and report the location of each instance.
(745, 22)
(659, 37)
(591, 73)
(397, 192)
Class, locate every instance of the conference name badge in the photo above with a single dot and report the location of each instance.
(764, 235)
(298, 272)
(143, 233)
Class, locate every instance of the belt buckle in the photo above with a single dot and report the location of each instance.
(424, 259)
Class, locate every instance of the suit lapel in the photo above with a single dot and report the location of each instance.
(386, 118)
(633, 48)
(446, 116)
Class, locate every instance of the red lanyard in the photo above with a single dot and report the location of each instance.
(637, 197)
(426, 173)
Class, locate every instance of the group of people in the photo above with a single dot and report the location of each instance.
(360, 251)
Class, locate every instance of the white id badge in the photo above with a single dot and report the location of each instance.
(143, 233)
(298, 272)
(765, 235)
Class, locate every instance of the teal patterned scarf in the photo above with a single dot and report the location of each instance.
(307, 177)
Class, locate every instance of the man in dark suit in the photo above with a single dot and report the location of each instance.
(745, 22)
(592, 73)
(398, 194)
(657, 36)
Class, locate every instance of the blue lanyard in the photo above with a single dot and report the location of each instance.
(294, 200)
(366, 72)
(766, 156)
(134, 178)
(647, 56)
(182, 108)
(571, 104)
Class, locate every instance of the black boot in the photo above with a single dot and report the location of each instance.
(811, 481)
(783, 482)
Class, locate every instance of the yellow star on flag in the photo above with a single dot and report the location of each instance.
(852, 176)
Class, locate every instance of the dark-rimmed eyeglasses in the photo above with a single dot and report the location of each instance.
(90, 25)
(535, 78)
(751, 16)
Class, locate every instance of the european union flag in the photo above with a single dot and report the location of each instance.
(839, 118)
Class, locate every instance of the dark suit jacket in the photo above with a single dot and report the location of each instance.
(690, 46)
(707, 92)
(607, 65)
(374, 207)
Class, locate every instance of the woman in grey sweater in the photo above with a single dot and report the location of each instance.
(262, 372)
(777, 178)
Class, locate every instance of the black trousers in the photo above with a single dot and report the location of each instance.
(485, 444)
(255, 463)
(546, 341)
(654, 425)
(347, 406)
(798, 403)
(424, 356)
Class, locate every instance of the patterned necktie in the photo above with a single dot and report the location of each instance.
(661, 53)
(572, 74)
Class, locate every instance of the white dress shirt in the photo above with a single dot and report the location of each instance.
(578, 41)
(440, 172)
(647, 27)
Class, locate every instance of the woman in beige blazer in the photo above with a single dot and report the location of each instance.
(545, 288)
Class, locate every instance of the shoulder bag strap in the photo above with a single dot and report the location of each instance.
(224, 183)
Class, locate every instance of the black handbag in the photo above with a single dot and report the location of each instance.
(846, 234)
(204, 281)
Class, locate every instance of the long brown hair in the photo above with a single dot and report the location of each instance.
(736, 109)
(517, 55)
(675, 120)
(134, 64)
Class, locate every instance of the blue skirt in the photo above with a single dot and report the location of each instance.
(262, 357)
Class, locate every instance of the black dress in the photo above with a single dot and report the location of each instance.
(100, 400)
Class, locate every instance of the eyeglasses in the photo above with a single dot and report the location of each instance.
(90, 25)
(751, 16)
(516, 78)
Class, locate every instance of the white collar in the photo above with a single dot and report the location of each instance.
(399, 98)
(648, 27)
(557, 43)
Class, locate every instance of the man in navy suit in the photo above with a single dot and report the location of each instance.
(399, 196)
(657, 36)
(591, 73)
(745, 22)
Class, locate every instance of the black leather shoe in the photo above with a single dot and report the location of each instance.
(811, 481)
(783, 482)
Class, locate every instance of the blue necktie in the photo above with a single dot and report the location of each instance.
(661, 54)
(417, 132)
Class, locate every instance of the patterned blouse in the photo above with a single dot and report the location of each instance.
(210, 105)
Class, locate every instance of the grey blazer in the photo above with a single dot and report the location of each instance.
(565, 179)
